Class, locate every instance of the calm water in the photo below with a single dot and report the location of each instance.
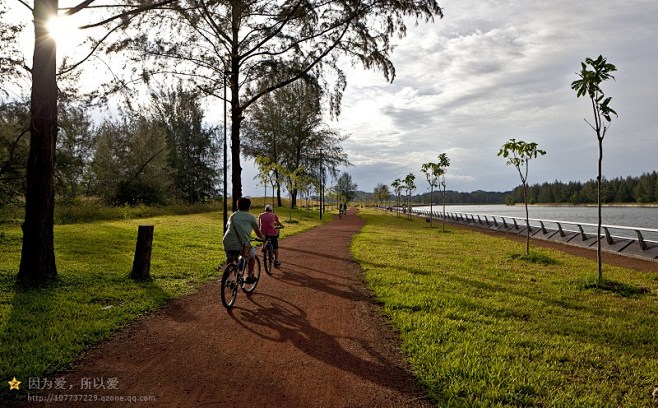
(642, 217)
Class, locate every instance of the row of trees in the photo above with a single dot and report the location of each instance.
(154, 154)
(642, 189)
(434, 173)
(408, 185)
(382, 196)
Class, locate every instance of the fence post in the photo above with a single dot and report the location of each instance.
(142, 262)
(559, 229)
(582, 232)
(640, 240)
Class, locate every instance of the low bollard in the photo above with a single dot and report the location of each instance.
(142, 262)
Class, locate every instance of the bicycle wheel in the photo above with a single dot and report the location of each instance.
(268, 258)
(248, 288)
(229, 285)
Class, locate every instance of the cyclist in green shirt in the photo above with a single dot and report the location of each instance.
(238, 233)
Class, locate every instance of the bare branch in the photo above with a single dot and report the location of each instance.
(300, 74)
(129, 13)
(77, 64)
(25, 4)
(79, 7)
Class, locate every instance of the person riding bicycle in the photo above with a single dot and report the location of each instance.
(238, 233)
(268, 221)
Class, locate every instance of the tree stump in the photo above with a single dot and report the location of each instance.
(142, 262)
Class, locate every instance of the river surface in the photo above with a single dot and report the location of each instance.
(641, 217)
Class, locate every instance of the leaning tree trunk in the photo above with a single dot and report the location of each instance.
(38, 253)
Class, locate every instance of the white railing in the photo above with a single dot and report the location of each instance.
(625, 240)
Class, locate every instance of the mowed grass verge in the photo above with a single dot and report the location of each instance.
(483, 328)
(43, 330)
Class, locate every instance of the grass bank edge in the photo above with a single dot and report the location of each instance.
(483, 327)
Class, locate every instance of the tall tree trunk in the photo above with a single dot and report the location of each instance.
(431, 204)
(236, 107)
(38, 253)
(598, 226)
(527, 219)
(443, 215)
(293, 198)
(236, 168)
(278, 189)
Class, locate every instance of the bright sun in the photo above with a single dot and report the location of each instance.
(62, 30)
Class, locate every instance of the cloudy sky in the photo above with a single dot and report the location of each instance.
(498, 69)
(492, 70)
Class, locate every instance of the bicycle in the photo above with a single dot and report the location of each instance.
(268, 253)
(233, 278)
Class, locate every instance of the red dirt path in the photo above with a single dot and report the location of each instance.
(309, 336)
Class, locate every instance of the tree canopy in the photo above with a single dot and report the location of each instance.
(345, 188)
(518, 154)
(245, 41)
(286, 127)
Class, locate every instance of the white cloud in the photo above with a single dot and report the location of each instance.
(494, 70)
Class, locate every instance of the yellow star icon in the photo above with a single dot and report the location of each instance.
(13, 384)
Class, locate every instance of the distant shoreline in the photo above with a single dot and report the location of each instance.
(629, 205)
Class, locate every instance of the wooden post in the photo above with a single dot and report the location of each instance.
(142, 263)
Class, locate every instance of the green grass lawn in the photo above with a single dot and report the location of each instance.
(44, 330)
(484, 328)
(480, 326)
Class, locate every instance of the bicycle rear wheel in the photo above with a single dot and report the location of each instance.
(248, 288)
(268, 258)
(230, 285)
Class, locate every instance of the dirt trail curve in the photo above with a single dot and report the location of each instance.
(308, 337)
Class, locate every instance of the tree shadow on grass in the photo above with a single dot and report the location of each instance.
(47, 327)
(619, 288)
(535, 258)
(29, 316)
